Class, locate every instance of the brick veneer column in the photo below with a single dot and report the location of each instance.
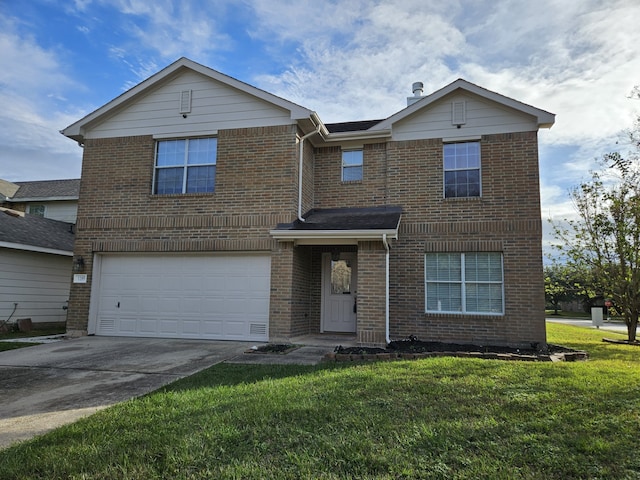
(371, 293)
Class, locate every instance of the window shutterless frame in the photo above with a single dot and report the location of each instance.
(352, 165)
(185, 166)
(464, 283)
(462, 170)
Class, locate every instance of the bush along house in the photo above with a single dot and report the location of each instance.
(212, 209)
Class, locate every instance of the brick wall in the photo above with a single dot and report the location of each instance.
(256, 188)
(506, 218)
(332, 192)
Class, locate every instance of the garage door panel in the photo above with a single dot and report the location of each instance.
(215, 297)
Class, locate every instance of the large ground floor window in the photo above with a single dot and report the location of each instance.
(464, 283)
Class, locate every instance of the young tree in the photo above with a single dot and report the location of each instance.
(605, 238)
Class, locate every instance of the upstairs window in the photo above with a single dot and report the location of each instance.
(352, 165)
(185, 166)
(462, 170)
(36, 209)
(470, 283)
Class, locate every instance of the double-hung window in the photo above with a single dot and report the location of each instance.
(185, 166)
(462, 170)
(352, 165)
(464, 283)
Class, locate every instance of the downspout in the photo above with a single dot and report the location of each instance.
(386, 285)
(302, 139)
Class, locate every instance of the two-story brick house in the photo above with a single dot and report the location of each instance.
(212, 209)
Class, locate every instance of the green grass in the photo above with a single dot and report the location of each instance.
(33, 333)
(439, 418)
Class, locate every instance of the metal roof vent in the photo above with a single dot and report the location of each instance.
(417, 93)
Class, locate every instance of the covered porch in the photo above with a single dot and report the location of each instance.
(330, 275)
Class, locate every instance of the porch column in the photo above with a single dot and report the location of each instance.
(281, 292)
(371, 293)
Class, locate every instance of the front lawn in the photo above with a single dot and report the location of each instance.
(437, 418)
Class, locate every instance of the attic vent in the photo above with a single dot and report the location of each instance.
(185, 101)
(458, 113)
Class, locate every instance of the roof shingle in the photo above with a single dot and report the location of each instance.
(35, 231)
(48, 189)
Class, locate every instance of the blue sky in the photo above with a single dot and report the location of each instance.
(345, 59)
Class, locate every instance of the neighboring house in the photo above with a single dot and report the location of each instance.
(35, 267)
(213, 209)
(54, 199)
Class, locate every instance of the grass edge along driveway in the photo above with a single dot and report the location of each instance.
(432, 418)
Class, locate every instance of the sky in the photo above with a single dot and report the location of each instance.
(345, 59)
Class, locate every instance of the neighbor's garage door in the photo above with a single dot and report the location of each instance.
(184, 296)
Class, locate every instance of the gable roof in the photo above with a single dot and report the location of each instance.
(544, 118)
(47, 190)
(8, 189)
(30, 232)
(297, 112)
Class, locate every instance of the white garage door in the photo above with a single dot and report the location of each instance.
(184, 296)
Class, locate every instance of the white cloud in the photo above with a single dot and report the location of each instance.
(174, 28)
(30, 92)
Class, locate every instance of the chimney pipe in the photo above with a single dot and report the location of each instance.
(417, 93)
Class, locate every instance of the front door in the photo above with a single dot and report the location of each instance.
(339, 289)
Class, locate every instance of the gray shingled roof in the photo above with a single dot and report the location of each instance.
(356, 126)
(43, 189)
(35, 231)
(372, 218)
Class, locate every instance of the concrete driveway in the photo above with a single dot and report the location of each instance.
(48, 385)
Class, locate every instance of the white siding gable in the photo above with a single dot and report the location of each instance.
(214, 106)
(483, 117)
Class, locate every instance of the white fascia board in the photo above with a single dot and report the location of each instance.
(302, 237)
(41, 199)
(31, 248)
(544, 118)
(76, 130)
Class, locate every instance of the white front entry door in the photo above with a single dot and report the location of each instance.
(339, 293)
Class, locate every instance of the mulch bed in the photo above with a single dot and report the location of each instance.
(412, 348)
(277, 348)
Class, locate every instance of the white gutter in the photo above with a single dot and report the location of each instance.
(302, 139)
(342, 235)
(386, 284)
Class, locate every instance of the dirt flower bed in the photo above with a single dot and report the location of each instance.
(277, 348)
(412, 347)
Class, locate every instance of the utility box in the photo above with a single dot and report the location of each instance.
(596, 316)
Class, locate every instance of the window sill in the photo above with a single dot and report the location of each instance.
(462, 199)
(350, 182)
(464, 315)
(181, 195)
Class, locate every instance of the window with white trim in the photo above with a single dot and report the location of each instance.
(352, 165)
(469, 283)
(462, 169)
(36, 209)
(185, 166)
